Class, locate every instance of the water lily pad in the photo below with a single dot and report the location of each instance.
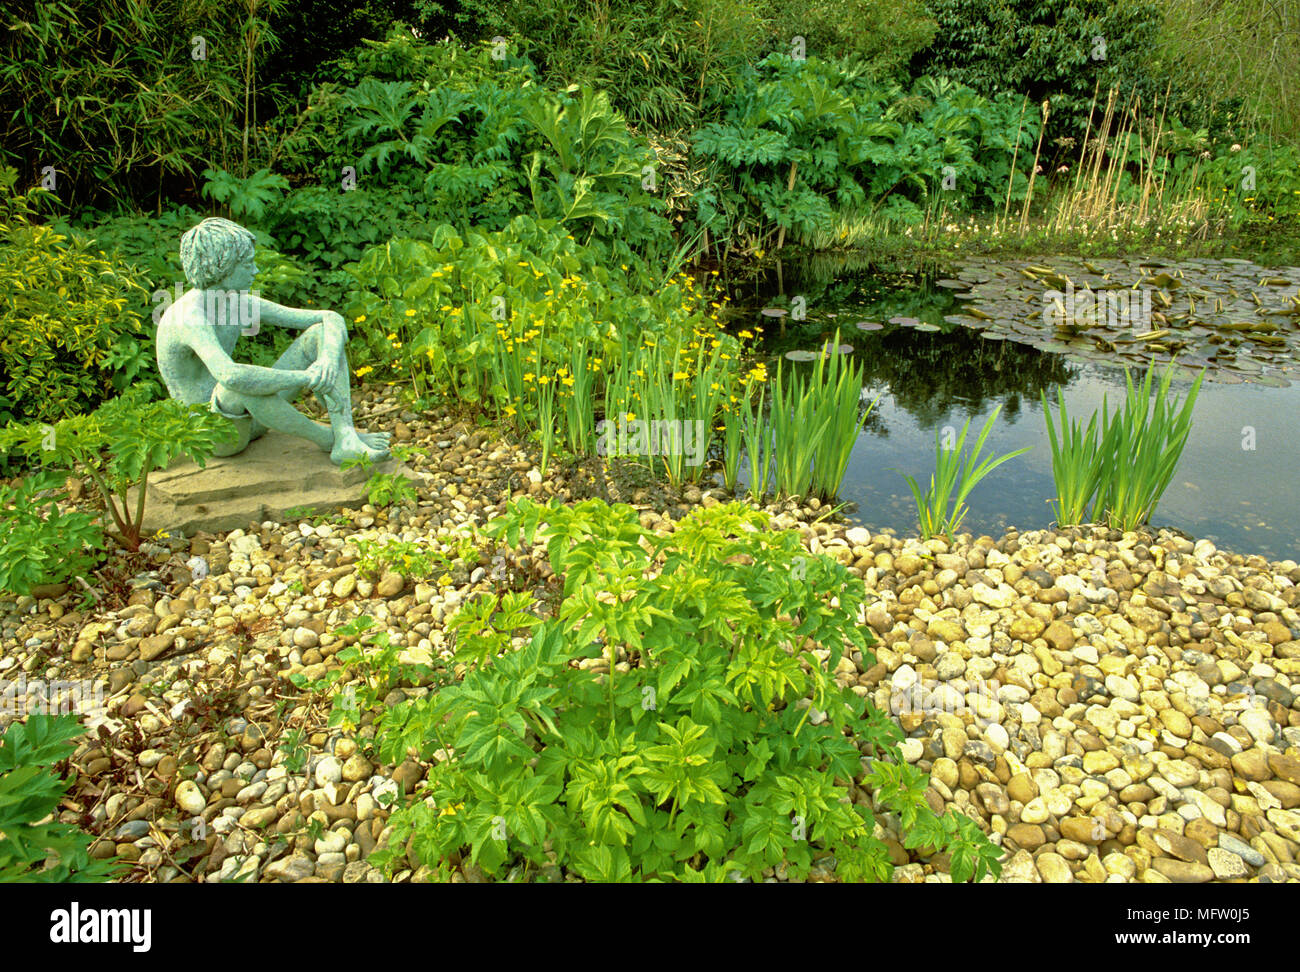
(774, 312)
(1231, 317)
(906, 321)
(801, 355)
(1272, 381)
(868, 326)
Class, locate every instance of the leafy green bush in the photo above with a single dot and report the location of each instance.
(125, 106)
(64, 308)
(883, 34)
(678, 717)
(802, 140)
(118, 446)
(38, 543)
(450, 310)
(659, 60)
(1046, 49)
(458, 137)
(1232, 71)
(33, 846)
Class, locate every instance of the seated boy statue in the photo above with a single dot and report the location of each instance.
(197, 336)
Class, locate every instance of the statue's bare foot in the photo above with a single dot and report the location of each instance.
(376, 440)
(349, 445)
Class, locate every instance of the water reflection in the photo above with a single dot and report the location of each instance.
(1235, 484)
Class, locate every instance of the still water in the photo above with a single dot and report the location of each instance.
(1236, 483)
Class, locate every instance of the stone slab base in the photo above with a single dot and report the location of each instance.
(274, 474)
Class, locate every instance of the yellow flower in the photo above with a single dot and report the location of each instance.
(363, 370)
(358, 320)
(529, 376)
(746, 334)
(680, 376)
(568, 382)
(631, 416)
(510, 410)
(392, 337)
(410, 312)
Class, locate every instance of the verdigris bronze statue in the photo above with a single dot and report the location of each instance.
(197, 336)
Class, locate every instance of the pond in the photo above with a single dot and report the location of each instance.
(1236, 484)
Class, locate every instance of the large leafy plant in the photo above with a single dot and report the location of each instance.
(677, 717)
(118, 445)
(802, 140)
(34, 846)
(474, 142)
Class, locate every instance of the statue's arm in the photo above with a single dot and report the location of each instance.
(243, 378)
(298, 318)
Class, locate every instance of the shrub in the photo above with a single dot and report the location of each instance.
(676, 718)
(463, 316)
(883, 34)
(458, 137)
(118, 446)
(64, 308)
(802, 140)
(1045, 49)
(33, 846)
(39, 544)
(659, 60)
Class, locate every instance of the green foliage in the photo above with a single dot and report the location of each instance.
(415, 560)
(385, 489)
(124, 108)
(952, 475)
(663, 384)
(815, 424)
(65, 312)
(681, 749)
(800, 141)
(39, 544)
(1046, 49)
(460, 137)
(1076, 463)
(371, 663)
(463, 316)
(1124, 465)
(883, 34)
(659, 60)
(34, 847)
(247, 199)
(1231, 70)
(118, 446)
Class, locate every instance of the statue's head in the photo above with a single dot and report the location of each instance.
(218, 251)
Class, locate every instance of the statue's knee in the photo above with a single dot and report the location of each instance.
(228, 403)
